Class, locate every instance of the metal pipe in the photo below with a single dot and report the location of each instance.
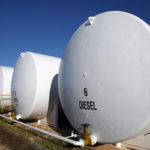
(76, 143)
(10, 104)
(72, 135)
(2, 101)
(6, 95)
(2, 105)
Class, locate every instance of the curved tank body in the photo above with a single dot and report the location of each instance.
(5, 84)
(104, 76)
(31, 84)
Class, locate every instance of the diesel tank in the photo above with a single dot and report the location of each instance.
(31, 84)
(104, 77)
(5, 85)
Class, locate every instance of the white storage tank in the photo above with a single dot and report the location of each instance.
(104, 77)
(5, 85)
(31, 84)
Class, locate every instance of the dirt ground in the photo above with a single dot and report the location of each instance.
(97, 147)
(15, 140)
(11, 141)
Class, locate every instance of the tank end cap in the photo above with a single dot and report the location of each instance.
(93, 139)
(18, 117)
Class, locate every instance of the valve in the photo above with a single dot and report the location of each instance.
(85, 136)
(13, 115)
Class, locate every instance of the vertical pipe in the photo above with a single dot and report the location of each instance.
(10, 104)
(2, 104)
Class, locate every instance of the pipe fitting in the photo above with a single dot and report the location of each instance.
(18, 117)
(88, 139)
(93, 139)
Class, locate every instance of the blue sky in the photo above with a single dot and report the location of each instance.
(45, 26)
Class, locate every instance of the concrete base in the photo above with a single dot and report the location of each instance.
(139, 143)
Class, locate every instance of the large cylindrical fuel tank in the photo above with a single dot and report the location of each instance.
(5, 85)
(31, 84)
(104, 77)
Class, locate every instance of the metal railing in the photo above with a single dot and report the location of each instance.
(2, 102)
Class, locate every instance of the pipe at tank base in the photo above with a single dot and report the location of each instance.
(75, 143)
(72, 135)
(18, 117)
